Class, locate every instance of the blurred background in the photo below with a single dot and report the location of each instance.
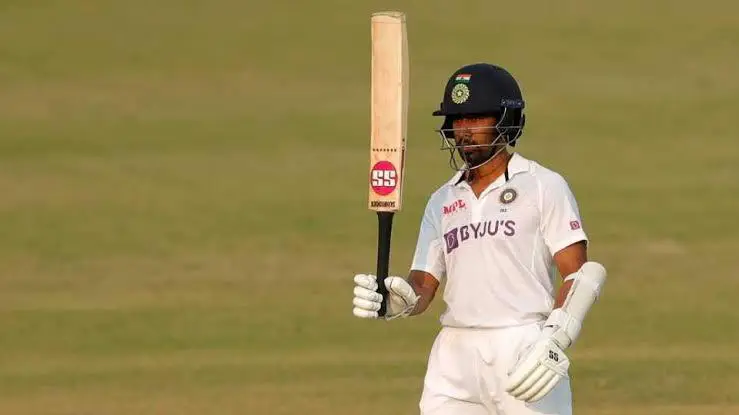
(183, 198)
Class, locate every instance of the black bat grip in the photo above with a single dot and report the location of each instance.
(385, 227)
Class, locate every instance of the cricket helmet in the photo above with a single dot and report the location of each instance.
(482, 89)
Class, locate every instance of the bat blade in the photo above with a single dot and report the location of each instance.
(389, 111)
(389, 114)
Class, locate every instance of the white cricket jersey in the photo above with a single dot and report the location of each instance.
(495, 253)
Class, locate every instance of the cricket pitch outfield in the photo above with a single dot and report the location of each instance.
(184, 199)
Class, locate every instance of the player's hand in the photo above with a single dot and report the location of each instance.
(538, 370)
(401, 297)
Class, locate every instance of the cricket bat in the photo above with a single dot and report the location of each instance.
(389, 113)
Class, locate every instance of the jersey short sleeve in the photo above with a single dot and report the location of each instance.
(561, 224)
(429, 255)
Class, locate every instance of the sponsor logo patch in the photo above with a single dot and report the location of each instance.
(454, 207)
(458, 236)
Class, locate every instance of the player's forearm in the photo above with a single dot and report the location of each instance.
(580, 290)
(569, 260)
(424, 300)
(562, 294)
(425, 286)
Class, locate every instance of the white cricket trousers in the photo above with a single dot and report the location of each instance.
(467, 372)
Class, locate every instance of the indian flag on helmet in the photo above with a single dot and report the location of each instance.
(463, 77)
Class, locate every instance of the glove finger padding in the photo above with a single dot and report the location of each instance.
(367, 294)
(362, 313)
(366, 304)
(366, 281)
(546, 388)
(538, 371)
(529, 380)
(366, 300)
(536, 389)
(524, 367)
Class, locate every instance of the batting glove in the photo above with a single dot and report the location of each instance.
(538, 370)
(401, 297)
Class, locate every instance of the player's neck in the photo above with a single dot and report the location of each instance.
(482, 176)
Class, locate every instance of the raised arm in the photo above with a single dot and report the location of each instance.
(411, 295)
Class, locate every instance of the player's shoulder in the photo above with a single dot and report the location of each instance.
(546, 176)
(443, 192)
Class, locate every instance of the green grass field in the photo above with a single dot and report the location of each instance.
(183, 199)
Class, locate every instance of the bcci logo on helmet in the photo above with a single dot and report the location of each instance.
(460, 93)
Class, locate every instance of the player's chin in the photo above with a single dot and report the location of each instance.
(472, 158)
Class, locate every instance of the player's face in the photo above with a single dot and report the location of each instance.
(469, 133)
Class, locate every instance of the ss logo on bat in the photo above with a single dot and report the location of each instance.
(384, 178)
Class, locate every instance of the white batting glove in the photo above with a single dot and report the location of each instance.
(538, 370)
(401, 297)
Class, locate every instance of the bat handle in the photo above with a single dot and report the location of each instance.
(385, 227)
